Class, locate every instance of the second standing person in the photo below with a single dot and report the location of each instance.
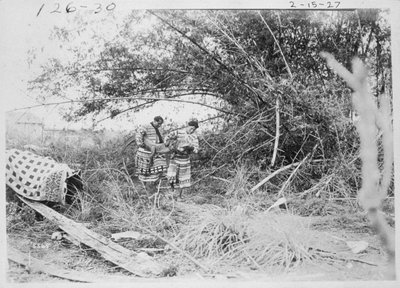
(179, 169)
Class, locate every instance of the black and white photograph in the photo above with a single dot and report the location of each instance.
(193, 145)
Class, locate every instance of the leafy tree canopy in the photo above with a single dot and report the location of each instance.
(245, 60)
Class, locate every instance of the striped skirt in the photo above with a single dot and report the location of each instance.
(147, 172)
(179, 172)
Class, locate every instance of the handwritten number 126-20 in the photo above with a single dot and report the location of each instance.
(70, 8)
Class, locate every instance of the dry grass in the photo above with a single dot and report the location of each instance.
(263, 241)
(236, 233)
(238, 186)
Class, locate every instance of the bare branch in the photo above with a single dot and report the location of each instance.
(277, 127)
(127, 69)
(266, 179)
(277, 43)
(153, 99)
(372, 191)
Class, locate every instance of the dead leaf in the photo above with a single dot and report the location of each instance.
(357, 246)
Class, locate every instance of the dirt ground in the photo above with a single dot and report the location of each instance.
(367, 265)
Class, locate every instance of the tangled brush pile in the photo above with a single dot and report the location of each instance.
(264, 240)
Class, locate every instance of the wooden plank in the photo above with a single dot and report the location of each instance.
(36, 265)
(139, 264)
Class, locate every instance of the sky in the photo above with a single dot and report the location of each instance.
(33, 23)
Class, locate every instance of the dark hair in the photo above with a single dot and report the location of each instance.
(194, 123)
(159, 119)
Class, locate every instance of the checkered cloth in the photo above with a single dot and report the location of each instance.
(35, 177)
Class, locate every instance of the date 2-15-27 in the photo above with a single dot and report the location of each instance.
(315, 4)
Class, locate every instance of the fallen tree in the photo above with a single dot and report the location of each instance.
(139, 264)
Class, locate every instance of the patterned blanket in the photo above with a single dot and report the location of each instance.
(36, 177)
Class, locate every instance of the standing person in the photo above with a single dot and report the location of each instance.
(179, 169)
(150, 166)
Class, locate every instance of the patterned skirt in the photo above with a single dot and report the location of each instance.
(147, 172)
(179, 173)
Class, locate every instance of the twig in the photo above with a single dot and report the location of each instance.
(266, 179)
(317, 186)
(344, 258)
(291, 176)
(172, 245)
(253, 149)
(209, 173)
(342, 199)
(277, 44)
(200, 121)
(222, 179)
(127, 69)
(277, 125)
(128, 98)
(151, 250)
(243, 127)
(359, 260)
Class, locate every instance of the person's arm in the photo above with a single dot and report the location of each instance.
(171, 136)
(193, 144)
